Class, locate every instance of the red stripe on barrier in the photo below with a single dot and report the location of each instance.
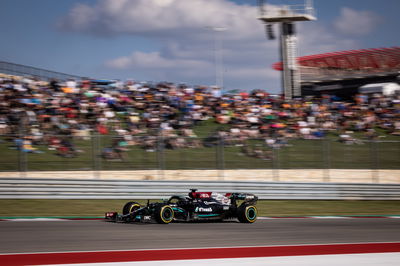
(186, 254)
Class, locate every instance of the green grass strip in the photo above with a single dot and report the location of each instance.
(267, 208)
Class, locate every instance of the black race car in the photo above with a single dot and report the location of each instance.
(197, 206)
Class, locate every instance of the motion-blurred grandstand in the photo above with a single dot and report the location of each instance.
(66, 122)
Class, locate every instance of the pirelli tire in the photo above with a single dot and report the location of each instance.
(163, 214)
(130, 207)
(247, 213)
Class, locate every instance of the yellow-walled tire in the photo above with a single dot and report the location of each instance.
(164, 214)
(247, 213)
(130, 207)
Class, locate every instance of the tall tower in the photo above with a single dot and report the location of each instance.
(286, 16)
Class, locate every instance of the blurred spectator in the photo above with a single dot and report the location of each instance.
(137, 112)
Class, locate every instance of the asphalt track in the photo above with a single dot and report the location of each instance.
(56, 236)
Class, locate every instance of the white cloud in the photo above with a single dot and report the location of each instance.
(187, 52)
(354, 22)
(315, 38)
(154, 60)
(148, 17)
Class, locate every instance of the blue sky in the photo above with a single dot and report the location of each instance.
(169, 39)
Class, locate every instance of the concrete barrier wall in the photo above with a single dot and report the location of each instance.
(267, 175)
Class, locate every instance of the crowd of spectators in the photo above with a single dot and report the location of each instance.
(54, 113)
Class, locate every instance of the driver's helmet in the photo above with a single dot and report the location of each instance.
(221, 198)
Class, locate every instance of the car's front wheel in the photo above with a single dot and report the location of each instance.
(164, 214)
(130, 207)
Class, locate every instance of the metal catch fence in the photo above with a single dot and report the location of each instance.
(102, 152)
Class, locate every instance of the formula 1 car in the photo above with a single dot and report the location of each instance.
(197, 206)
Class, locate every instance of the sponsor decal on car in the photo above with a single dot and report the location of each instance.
(201, 209)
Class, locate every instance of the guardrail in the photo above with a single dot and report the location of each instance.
(13, 188)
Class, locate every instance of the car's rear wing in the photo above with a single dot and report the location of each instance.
(247, 197)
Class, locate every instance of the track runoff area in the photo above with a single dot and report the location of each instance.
(282, 242)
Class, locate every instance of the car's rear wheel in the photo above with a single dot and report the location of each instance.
(164, 214)
(247, 213)
(130, 207)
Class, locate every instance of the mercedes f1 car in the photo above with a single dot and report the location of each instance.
(197, 206)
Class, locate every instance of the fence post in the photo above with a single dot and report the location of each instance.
(275, 164)
(96, 155)
(182, 158)
(374, 161)
(22, 158)
(220, 158)
(160, 156)
(326, 153)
